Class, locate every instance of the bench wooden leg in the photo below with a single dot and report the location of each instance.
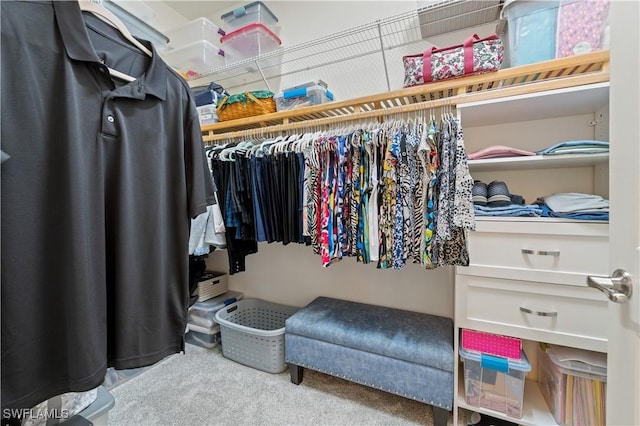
(440, 416)
(296, 374)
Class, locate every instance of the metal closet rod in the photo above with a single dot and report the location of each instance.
(326, 121)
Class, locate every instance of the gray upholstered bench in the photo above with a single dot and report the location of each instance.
(405, 353)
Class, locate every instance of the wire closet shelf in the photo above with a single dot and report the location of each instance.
(378, 38)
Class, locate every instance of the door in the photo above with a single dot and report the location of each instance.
(623, 369)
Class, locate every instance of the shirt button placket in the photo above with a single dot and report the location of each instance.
(108, 118)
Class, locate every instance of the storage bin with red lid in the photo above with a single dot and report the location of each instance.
(251, 40)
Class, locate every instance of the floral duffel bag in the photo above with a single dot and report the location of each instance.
(474, 56)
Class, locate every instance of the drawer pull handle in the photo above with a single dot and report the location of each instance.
(538, 313)
(542, 252)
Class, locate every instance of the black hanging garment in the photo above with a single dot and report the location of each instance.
(97, 197)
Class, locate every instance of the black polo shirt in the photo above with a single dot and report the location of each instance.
(103, 178)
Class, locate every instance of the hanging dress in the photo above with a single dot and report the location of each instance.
(373, 210)
(453, 251)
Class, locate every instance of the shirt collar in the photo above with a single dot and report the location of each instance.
(78, 47)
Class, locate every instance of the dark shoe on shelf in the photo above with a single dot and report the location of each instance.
(498, 194)
(479, 193)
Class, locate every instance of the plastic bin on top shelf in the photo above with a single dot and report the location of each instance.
(249, 41)
(544, 30)
(250, 13)
(302, 97)
(135, 15)
(195, 58)
(191, 32)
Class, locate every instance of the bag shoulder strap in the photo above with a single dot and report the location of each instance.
(467, 45)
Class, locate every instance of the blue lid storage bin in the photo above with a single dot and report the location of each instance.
(203, 314)
(302, 97)
(495, 383)
(250, 13)
(203, 329)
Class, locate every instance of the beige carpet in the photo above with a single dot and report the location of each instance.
(204, 388)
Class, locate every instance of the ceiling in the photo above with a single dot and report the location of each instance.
(194, 9)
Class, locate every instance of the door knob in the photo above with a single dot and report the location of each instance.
(618, 287)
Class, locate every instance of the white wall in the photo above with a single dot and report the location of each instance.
(293, 275)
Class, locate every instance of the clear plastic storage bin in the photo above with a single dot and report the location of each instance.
(203, 337)
(302, 97)
(249, 41)
(207, 114)
(495, 383)
(195, 58)
(203, 314)
(573, 382)
(250, 13)
(542, 30)
(203, 330)
(191, 32)
(135, 15)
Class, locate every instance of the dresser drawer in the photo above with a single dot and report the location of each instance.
(567, 315)
(541, 246)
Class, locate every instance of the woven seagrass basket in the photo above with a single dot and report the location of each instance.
(243, 105)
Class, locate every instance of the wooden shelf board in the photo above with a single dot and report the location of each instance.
(580, 70)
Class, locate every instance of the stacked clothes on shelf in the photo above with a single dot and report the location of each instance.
(495, 199)
(576, 147)
(510, 210)
(574, 205)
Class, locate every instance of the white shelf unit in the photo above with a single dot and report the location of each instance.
(579, 112)
(501, 279)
